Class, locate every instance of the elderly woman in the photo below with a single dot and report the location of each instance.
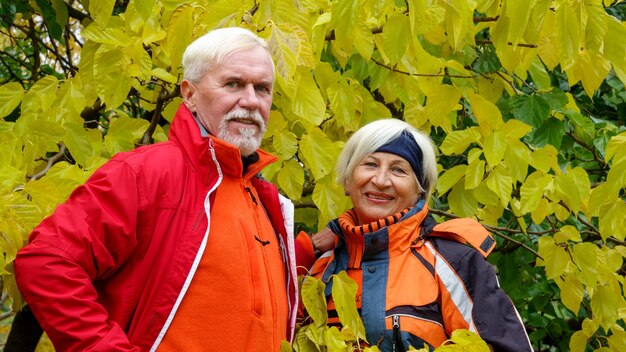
(418, 280)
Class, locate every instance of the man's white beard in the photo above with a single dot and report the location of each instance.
(248, 140)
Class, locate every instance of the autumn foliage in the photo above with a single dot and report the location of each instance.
(524, 98)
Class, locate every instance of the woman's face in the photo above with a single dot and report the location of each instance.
(382, 184)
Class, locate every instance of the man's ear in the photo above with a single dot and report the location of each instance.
(187, 91)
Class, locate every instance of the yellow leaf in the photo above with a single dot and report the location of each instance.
(540, 212)
(474, 174)
(342, 102)
(179, 34)
(144, 7)
(501, 183)
(540, 76)
(614, 49)
(285, 143)
(41, 95)
(363, 40)
(572, 292)
(577, 342)
(589, 327)
(458, 21)
(439, 103)
(486, 113)
(591, 68)
(457, 141)
(516, 159)
(555, 259)
(101, 11)
(462, 201)
(291, 179)
(450, 178)
(604, 303)
(567, 35)
(545, 158)
(587, 257)
(330, 200)
(163, 75)
(494, 148)
(307, 101)
(344, 292)
(567, 233)
(11, 95)
(111, 35)
(573, 187)
(345, 16)
(395, 37)
(518, 12)
(314, 300)
(616, 146)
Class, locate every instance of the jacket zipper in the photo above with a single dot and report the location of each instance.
(396, 341)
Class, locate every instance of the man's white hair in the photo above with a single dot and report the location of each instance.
(211, 48)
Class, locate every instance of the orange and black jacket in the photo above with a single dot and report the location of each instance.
(419, 281)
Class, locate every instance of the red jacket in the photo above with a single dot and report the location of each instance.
(108, 269)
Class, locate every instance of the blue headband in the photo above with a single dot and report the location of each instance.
(406, 147)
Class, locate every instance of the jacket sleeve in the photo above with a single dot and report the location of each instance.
(494, 315)
(86, 239)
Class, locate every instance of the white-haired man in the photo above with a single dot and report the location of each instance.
(176, 246)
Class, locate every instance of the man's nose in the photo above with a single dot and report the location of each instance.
(249, 99)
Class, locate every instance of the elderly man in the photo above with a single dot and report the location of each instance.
(176, 246)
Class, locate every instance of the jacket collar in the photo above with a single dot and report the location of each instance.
(186, 133)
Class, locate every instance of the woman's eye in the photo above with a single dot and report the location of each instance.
(399, 170)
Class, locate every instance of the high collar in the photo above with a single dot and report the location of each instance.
(394, 234)
(197, 149)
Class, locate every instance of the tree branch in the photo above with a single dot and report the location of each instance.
(419, 74)
(53, 160)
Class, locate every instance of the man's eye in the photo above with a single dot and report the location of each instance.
(262, 88)
(231, 84)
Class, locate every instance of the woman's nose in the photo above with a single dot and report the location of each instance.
(381, 178)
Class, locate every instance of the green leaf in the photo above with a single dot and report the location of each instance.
(314, 300)
(291, 179)
(531, 109)
(550, 132)
(344, 291)
(584, 128)
(450, 178)
(11, 95)
(50, 17)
